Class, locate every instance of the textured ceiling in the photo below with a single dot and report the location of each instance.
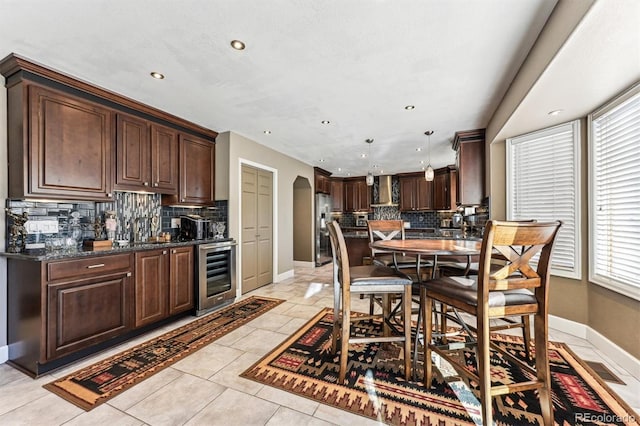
(357, 63)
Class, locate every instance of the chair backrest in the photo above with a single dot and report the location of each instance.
(384, 230)
(513, 245)
(341, 274)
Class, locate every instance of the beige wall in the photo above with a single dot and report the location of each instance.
(302, 212)
(286, 170)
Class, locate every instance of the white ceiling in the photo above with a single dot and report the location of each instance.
(357, 63)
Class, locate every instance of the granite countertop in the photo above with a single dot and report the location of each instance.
(41, 255)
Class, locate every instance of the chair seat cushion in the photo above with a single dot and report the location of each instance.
(465, 289)
(403, 261)
(376, 274)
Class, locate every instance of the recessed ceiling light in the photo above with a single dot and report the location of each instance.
(325, 122)
(418, 149)
(421, 161)
(555, 112)
(339, 169)
(321, 160)
(409, 107)
(157, 75)
(363, 155)
(267, 132)
(237, 44)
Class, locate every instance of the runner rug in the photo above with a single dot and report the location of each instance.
(97, 383)
(376, 388)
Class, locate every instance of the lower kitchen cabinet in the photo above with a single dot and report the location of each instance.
(164, 284)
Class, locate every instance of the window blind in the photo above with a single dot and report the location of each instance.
(542, 183)
(615, 195)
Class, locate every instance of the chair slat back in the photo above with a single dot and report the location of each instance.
(513, 246)
(384, 230)
(340, 256)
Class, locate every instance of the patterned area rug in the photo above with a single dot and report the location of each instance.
(376, 387)
(97, 383)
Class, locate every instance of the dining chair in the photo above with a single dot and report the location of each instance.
(366, 279)
(516, 287)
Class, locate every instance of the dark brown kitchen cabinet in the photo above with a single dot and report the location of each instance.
(196, 171)
(322, 181)
(146, 156)
(470, 162)
(59, 145)
(444, 188)
(181, 280)
(415, 192)
(357, 195)
(59, 308)
(152, 286)
(337, 194)
(164, 283)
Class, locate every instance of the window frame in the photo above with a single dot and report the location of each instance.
(606, 282)
(575, 127)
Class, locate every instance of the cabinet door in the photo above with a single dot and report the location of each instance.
(181, 284)
(70, 149)
(364, 196)
(337, 195)
(133, 156)
(470, 172)
(164, 159)
(441, 191)
(350, 196)
(152, 269)
(197, 162)
(407, 192)
(87, 312)
(424, 194)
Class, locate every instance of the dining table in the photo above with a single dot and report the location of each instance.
(432, 248)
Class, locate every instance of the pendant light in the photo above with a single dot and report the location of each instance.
(428, 172)
(369, 173)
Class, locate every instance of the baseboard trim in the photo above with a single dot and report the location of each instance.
(4, 354)
(284, 276)
(303, 264)
(623, 358)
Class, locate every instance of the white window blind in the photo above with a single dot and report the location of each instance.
(614, 171)
(543, 170)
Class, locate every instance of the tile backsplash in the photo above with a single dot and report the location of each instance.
(129, 207)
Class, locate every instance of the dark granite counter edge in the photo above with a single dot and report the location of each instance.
(40, 255)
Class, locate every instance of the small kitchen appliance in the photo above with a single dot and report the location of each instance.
(361, 220)
(195, 227)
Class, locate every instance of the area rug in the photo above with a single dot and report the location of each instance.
(97, 383)
(376, 388)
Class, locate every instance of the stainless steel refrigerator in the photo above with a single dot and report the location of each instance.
(323, 216)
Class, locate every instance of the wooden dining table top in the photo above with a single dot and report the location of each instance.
(430, 246)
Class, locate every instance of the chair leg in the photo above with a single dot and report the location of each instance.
(542, 367)
(346, 333)
(427, 317)
(526, 335)
(483, 355)
(386, 309)
(336, 318)
(407, 331)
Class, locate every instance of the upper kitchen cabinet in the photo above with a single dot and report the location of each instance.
(64, 141)
(146, 156)
(415, 192)
(59, 145)
(197, 173)
(444, 188)
(357, 195)
(322, 180)
(337, 194)
(470, 161)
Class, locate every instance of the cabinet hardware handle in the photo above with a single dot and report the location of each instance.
(97, 265)
(128, 274)
(108, 194)
(182, 200)
(155, 183)
(145, 183)
(164, 252)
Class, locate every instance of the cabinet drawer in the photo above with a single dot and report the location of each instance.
(77, 268)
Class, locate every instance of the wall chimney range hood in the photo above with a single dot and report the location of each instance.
(384, 192)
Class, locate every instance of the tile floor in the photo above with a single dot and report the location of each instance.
(204, 388)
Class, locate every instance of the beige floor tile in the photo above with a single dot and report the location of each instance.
(208, 360)
(288, 399)
(303, 311)
(271, 321)
(47, 410)
(230, 375)
(237, 334)
(22, 391)
(235, 408)
(292, 326)
(176, 402)
(288, 417)
(260, 342)
(104, 415)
